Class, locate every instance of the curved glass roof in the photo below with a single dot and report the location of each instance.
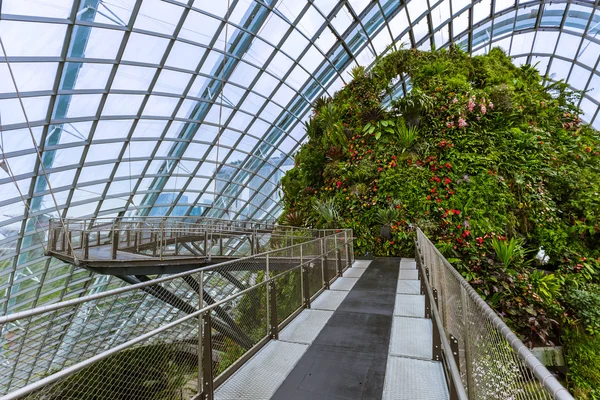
(183, 107)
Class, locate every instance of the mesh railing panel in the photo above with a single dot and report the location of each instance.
(288, 293)
(151, 322)
(490, 368)
(249, 312)
(162, 367)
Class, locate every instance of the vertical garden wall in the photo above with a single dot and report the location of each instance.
(492, 162)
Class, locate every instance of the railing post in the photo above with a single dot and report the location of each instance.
(338, 262)
(305, 286)
(437, 341)
(200, 352)
(207, 371)
(324, 265)
(467, 343)
(115, 242)
(206, 243)
(273, 325)
(86, 245)
(70, 243)
(348, 263)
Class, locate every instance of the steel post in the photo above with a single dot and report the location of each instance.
(85, 244)
(273, 324)
(305, 286)
(207, 370)
(200, 352)
(338, 263)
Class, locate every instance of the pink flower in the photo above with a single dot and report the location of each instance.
(491, 105)
(450, 124)
(454, 101)
(483, 109)
(462, 123)
(471, 105)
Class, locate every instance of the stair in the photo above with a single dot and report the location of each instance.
(411, 373)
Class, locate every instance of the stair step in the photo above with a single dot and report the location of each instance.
(410, 305)
(411, 337)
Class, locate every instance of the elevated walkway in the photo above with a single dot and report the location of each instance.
(151, 246)
(365, 338)
(328, 327)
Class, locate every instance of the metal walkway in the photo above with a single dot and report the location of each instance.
(372, 318)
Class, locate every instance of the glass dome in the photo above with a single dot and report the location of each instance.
(173, 108)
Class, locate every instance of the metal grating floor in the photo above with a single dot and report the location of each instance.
(410, 305)
(409, 286)
(305, 327)
(409, 274)
(411, 379)
(263, 373)
(361, 263)
(329, 300)
(411, 337)
(343, 284)
(354, 272)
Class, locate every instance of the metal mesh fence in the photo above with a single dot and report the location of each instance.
(142, 342)
(493, 363)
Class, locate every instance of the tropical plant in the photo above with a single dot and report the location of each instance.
(330, 116)
(545, 285)
(327, 211)
(507, 251)
(358, 72)
(406, 135)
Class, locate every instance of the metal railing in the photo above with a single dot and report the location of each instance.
(162, 237)
(175, 337)
(483, 358)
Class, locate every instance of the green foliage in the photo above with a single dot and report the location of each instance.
(387, 216)
(506, 251)
(157, 372)
(585, 303)
(479, 150)
(327, 211)
(583, 357)
(547, 286)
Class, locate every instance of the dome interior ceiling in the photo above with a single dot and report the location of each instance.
(126, 108)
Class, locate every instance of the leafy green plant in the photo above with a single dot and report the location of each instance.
(327, 211)
(387, 216)
(585, 303)
(330, 116)
(547, 286)
(406, 135)
(507, 251)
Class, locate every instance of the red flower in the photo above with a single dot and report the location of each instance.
(392, 242)
(479, 240)
(338, 184)
(466, 233)
(447, 181)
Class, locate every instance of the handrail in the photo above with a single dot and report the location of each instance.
(544, 378)
(68, 303)
(167, 332)
(456, 387)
